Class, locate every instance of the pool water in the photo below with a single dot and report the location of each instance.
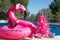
(3, 24)
(54, 28)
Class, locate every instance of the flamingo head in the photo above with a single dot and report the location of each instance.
(20, 8)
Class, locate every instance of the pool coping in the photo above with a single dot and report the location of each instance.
(6, 21)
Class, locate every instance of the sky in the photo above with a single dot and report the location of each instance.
(35, 5)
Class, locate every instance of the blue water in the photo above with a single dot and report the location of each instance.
(3, 24)
(54, 28)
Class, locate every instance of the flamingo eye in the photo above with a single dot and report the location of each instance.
(20, 5)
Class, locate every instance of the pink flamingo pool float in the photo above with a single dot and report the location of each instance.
(20, 28)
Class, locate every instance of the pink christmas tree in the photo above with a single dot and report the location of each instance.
(43, 25)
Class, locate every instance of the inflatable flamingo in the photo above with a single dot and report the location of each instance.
(20, 28)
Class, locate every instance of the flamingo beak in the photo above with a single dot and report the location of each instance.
(25, 14)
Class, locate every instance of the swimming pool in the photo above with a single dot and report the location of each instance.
(54, 28)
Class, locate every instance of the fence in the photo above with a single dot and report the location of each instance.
(54, 20)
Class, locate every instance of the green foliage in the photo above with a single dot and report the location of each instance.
(2, 15)
(23, 2)
(32, 18)
(55, 10)
(55, 6)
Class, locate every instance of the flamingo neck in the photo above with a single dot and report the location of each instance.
(12, 9)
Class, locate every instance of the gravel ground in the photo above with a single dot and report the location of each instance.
(55, 38)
